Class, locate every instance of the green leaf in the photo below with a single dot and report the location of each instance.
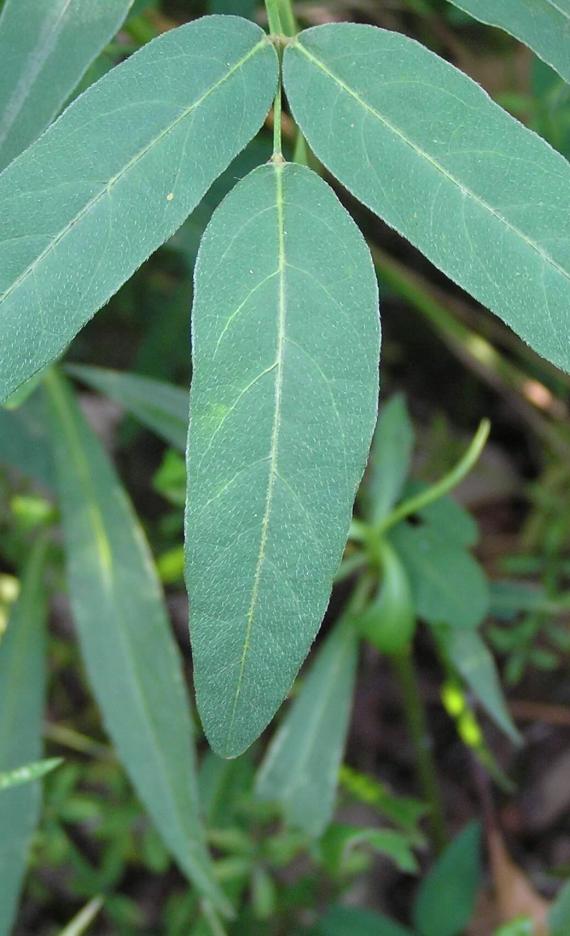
(552, 107)
(425, 148)
(300, 768)
(446, 896)
(29, 773)
(445, 517)
(340, 840)
(469, 655)
(45, 48)
(223, 786)
(236, 7)
(390, 459)
(447, 583)
(544, 25)
(510, 598)
(24, 442)
(131, 658)
(282, 409)
(115, 176)
(389, 621)
(22, 690)
(160, 406)
(559, 916)
(351, 921)
(82, 920)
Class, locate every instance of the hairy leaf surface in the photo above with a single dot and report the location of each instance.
(544, 25)
(22, 688)
(300, 769)
(131, 658)
(282, 409)
(423, 146)
(115, 176)
(45, 48)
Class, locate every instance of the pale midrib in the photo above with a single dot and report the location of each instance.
(274, 446)
(132, 162)
(38, 59)
(441, 169)
(76, 448)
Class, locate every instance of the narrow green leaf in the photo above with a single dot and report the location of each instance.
(22, 690)
(131, 658)
(300, 768)
(544, 25)
(446, 896)
(83, 920)
(559, 916)
(24, 442)
(45, 47)
(352, 921)
(469, 655)
(160, 406)
(283, 403)
(425, 148)
(28, 773)
(115, 176)
(447, 583)
(390, 459)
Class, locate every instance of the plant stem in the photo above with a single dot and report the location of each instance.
(447, 483)
(277, 145)
(416, 721)
(274, 17)
(275, 28)
(288, 19)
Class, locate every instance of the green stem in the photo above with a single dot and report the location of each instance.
(277, 144)
(416, 721)
(276, 30)
(274, 17)
(447, 483)
(288, 18)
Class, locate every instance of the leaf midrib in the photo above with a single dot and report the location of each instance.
(129, 165)
(437, 165)
(274, 445)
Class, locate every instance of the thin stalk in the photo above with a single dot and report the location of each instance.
(277, 143)
(276, 30)
(274, 17)
(447, 483)
(416, 721)
(288, 18)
